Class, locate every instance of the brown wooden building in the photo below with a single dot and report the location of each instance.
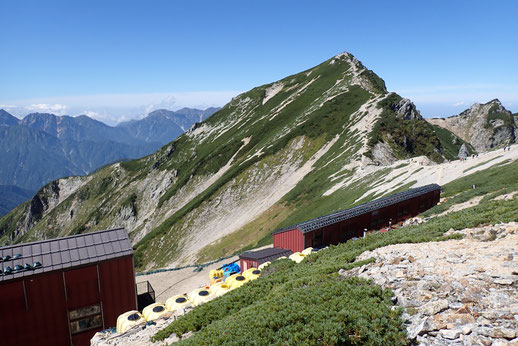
(346, 224)
(62, 291)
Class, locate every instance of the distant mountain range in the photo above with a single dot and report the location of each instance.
(42, 147)
(163, 125)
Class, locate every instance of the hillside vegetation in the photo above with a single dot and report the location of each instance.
(298, 303)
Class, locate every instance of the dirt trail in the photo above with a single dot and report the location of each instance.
(168, 284)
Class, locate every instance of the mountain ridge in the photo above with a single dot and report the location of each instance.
(277, 154)
(484, 126)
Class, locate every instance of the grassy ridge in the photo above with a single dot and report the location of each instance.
(319, 124)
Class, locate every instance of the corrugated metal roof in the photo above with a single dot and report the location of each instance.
(67, 252)
(264, 255)
(319, 222)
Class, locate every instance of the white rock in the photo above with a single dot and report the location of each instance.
(450, 334)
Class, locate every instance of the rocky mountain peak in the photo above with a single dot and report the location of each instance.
(482, 109)
(485, 126)
(406, 110)
(160, 113)
(362, 76)
(7, 119)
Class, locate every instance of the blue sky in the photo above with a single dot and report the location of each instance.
(119, 59)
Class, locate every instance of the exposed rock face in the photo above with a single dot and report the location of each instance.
(463, 152)
(382, 154)
(460, 292)
(406, 110)
(45, 200)
(484, 126)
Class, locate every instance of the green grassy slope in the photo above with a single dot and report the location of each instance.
(451, 144)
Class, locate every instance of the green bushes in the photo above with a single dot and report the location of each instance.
(405, 137)
(450, 142)
(319, 311)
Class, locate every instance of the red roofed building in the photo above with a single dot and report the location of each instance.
(62, 291)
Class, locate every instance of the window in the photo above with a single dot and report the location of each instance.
(86, 318)
(318, 239)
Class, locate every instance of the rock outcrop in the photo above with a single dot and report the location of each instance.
(463, 151)
(406, 110)
(460, 292)
(484, 126)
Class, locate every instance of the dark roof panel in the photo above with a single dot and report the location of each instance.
(27, 251)
(99, 249)
(72, 243)
(319, 222)
(117, 247)
(81, 242)
(54, 246)
(36, 249)
(45, 247)
(62, 253)
(74, 254)
(265, 255)
(108, 248)
(91, 251)
(65, 257)
(105, 238)
(97, 238)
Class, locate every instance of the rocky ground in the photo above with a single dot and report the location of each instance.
(459, 292)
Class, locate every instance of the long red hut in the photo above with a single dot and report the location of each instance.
(346, 224)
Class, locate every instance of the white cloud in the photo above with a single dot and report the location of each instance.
(91, 114)
(461, 103)
(58, 109)
(169, 102)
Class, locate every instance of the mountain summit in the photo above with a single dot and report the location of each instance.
(484, 126)
(276, 155)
